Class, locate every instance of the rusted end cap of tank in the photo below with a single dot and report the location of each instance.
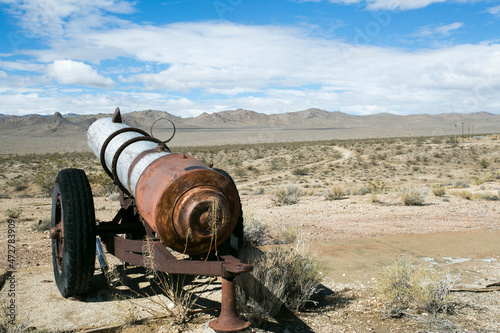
(191, 207)
(202, 214)
(198, 212)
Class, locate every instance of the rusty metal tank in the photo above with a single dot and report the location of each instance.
(192, 207)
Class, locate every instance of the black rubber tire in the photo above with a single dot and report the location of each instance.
(234, 243)
(73, 255)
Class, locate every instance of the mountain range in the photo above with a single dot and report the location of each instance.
(241, 126)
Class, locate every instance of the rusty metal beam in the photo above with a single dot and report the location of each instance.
(131, 251)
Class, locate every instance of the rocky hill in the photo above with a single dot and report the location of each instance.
(239, 126)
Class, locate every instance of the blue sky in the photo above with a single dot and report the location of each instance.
(187, 57)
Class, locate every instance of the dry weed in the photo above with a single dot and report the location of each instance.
(412, 195)
(282, 276)
(439, 191)
(13, 213)
(406, 288)
(254, 231)
(336, 192)
(286, 195)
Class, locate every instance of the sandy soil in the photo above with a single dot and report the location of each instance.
(353, 238)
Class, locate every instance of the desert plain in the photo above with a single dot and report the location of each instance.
(370, 191)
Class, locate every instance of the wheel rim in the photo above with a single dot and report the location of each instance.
(59, 242)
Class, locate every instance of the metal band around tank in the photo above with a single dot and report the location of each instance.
(108, 140)
(127, 143)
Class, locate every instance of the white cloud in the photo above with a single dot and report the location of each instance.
(441, 30)
(400, 4)
(51, 18)
(269, 65)
(28, 101)
(21, 66)
(77, 73)
(392, 4)
(494, 10)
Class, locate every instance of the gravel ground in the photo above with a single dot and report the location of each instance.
(354, 239)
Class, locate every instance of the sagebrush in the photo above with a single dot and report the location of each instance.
(288, 195)
(281, 277)
(406, 288)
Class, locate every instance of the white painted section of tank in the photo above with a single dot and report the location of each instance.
(97, 134)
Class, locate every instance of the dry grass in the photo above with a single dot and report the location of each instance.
(288, 195)
(13, 213)
(281, 277)
(41, 225)
(407, 289)
(412, 195)
(439, 191)
(255, 231)
(335, 192)
(370, 165)
(8, 324)
(463, 194)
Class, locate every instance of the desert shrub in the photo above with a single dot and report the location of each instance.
(282, 276)
(460, 184)
(376, 187)
(439, 191)
(254, 231)
(300, 171)
(259, 191)
(286, 195)
(41, 225)
(463, 194)
(13, 213)
(361, 191)
(18, 185)
(478, 181)
(405, 288)
(45, 178)
(102, 184)
(484, 163)
(240, 172)
(489, 196)
(412, 195)
(289, 235)
(336, 192)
